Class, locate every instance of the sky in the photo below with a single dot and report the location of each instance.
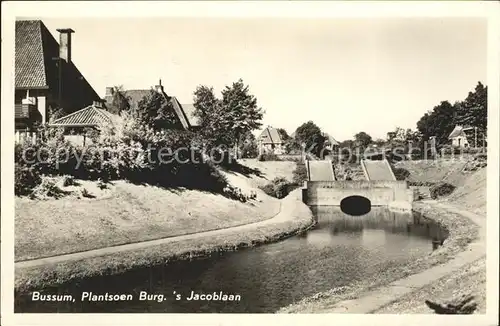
(346, 75)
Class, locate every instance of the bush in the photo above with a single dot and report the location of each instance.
(401, 173)
(67, 180)
(441, 189)
(121, 152)
(47, 189)
(236, 193)
(249, 150)
(101, 184)
(85, 193)
(268, 157)
(279, 187)
(25, 179)
(300, 174)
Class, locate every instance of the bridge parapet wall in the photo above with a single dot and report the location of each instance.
(380, 193)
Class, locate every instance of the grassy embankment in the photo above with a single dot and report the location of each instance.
(470, 192)
(469, 195)
(127, 213)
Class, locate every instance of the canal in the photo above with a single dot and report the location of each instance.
(340, 250)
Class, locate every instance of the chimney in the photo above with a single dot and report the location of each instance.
(110, 91)
(159, 87)
(65, 43)
(97, 104)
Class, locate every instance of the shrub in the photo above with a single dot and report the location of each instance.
(401, 173)
(236, 193)
(67, 180)
(299, 174)
(121, 152)
(268, 157)
(47, 189)
(441, 189)
(25, 179)
(85, 193)
(279, 187)
(249, 150)
(101, 184)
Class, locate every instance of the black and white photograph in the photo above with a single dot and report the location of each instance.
(249, 164)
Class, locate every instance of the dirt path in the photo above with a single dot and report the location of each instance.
(380, 298)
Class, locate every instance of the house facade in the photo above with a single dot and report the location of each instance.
(458, 137)
(270, 141)
(46, 78)
(184, 112)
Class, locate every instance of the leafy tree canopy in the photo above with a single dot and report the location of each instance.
(311, 136)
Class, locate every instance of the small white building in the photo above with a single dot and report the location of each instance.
(458, 137)
(270, 141)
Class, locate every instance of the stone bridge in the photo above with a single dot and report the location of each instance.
(380, 187)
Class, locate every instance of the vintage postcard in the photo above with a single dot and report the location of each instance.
(250, 162)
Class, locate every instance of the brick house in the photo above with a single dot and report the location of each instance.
(45, 76)
(184, 112)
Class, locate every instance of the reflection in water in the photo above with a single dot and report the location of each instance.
(340, 250)
(379, 219)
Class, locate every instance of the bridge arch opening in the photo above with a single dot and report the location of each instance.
(355, 205)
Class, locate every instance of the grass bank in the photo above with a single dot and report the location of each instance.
(462, 231)
(470, 278)
(470, 192)
(126, 213)
(294, 218)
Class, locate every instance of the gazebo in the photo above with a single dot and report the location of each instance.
(75, 124)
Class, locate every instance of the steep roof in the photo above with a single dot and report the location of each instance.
(185, 112)
(136, 95)
(34, 49)
(189, 110)
(332, 140)
(458, 131)
(90, 116)
(270, 135)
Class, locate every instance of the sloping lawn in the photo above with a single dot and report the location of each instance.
(268, 170)
(472, 194)
(129, 213)
(434, 171)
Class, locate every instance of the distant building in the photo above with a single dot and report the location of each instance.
(185, 112)
(270, 141)
(330, 142)
(458, 137)
(75, 124)
(45, 76)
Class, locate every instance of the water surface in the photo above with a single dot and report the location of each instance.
(341, 249)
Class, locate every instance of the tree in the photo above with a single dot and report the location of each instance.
(241, 110)
(157, 111)
(283, 134)
(214, 121)
(362, 139)
(439, 122)
(473, 111)
(248, 147)
(311, 136)
(349, 143)
(225, 121)
(120, 101)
